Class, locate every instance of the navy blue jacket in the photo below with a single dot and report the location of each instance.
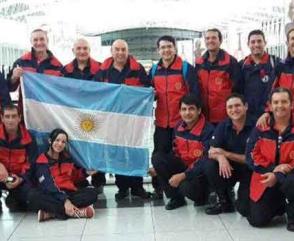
(133, 73)
(71, 70)
(256, 82)
(226, 137)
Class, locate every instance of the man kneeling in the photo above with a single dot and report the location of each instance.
(181, 173)
(18, 152)
(270, 153)
(227, 165)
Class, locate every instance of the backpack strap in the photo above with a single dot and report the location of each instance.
(153, 70)
(185, 67)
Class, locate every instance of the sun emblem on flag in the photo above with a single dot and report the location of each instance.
(87, 124)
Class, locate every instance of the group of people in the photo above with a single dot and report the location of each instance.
(217, 123)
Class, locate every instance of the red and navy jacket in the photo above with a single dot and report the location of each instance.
(17, 155)
(217, 81)
(56, 177)
(72, 70)
(4, 92)
(133, 73)
(170, 86)
(191, 146)
(256, 82)
(49, 66)
(28, 62)
(285, 74)
(266, 149)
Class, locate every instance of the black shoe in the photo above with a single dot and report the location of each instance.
(121, 194)
(13, 205)
(157, 195)
(175, 203)
(212, 198)
(1, 211)
(140, 192)
(290, 226)
(220, 208)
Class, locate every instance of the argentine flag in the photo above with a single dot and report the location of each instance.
(108, 124)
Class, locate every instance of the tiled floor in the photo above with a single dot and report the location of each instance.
(136, 220)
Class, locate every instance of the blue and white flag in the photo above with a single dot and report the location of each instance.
(108, 124)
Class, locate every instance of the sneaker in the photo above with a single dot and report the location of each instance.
(43, 216)
(141, 192)
(175, 203)
(87, 212)
(121, 194)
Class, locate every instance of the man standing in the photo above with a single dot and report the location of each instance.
(257, 74)
(218, 73)
(181, 172)
(227, 158)
(85, 68)
(172, 78)
(17, 155)
(39, 60)
(123, 68)
(270, 155)
(284, 71)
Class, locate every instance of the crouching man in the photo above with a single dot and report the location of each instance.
(17, 155)
(181, 173)
(270, 153)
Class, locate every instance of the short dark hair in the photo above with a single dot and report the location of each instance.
(166, 38)
(256, 32)
(40, 30)
(236, 95)
(280, 90)
(191, 99)
(10, 106)
(220, 36)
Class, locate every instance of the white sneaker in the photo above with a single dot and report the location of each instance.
(86, 212)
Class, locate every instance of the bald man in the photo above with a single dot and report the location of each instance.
(83, 66)
(122, 68)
